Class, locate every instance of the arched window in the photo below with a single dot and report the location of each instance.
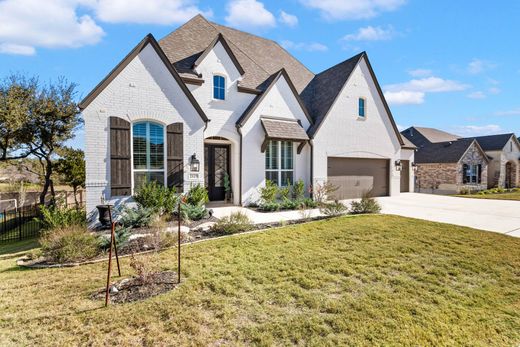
(148, 146)
(219, 87)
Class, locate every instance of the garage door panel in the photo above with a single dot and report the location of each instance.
(356, 177)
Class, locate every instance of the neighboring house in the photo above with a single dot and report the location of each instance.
(446, 163)
(504, 153)
(232, 104)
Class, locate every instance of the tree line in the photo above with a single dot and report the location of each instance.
(36, 121)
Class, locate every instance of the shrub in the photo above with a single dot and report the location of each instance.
(154, 196)
(284, 192)
(236, 222)
(54, 217)
(193, 212)
(197, 195)
(268, 192)
(299, 190)
(145, 266)
(71, 243)
(309, 203)
(288, 204)
(137, 217)
(335, 208)
(322, 191)
(365, 205)
(122, 236)
(270, 206)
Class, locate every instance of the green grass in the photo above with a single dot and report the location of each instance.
(495, 196)
(367, 280)
(11, 247)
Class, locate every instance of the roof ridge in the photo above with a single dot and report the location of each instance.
(231, 41)
(359, 55)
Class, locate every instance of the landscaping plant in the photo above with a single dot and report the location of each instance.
(335, 208)
(236, 222)
(365, 205)
(197, 195)
(191, 212)
(322, 191)
(268, 192)
(54, 217)
(153, 195)
(69, 243)
(122, 236)
(137, 217)
(298, 190)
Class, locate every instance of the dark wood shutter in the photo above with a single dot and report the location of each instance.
(175, 153)
(479, 179)
(120, 163)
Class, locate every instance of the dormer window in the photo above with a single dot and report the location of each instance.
(219, 87)
(361, 107)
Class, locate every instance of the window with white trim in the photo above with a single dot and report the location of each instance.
(219, 87)
(148, 153)
(279, 162)
(361, 107)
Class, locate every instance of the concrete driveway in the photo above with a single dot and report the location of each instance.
(500, 216)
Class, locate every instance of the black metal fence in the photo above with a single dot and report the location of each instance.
(19, 224)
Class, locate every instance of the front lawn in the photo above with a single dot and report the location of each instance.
(366, 280)
(495, 196)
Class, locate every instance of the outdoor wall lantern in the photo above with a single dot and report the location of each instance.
(414, 167)
(398, 165)
(194, 163)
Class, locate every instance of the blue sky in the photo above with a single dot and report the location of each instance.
(454, 65)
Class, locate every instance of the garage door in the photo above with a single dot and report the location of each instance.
(355, 177)
(405, 176)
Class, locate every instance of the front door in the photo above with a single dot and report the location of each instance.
(216, 166)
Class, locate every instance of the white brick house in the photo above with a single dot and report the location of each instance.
(244, 108)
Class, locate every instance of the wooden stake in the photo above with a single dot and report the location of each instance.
(179, 244)
(112, 243)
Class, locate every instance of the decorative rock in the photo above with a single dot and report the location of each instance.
(184, 229)
(205, 226)
(136, 236)
(114, 290)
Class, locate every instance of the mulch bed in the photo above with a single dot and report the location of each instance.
(134, 289)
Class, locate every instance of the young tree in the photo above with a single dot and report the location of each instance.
(71, 167)
(54, 118)
(17, 99)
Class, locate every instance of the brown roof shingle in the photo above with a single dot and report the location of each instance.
(284, 130)
(259, 57)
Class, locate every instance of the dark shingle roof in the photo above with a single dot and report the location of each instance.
(259, 57)
(493, 142)
(435, 135)
(320, 93)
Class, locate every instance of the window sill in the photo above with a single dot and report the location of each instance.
(361, 118)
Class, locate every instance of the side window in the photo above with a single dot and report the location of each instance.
(361, 107)
(219, 87)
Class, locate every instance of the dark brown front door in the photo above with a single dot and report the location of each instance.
(405, 176)
(216, 165)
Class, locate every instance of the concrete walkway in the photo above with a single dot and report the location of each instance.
(500, 216)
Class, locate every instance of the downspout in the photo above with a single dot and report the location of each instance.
(239, 130)
(312, 167)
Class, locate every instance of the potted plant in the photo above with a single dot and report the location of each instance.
(227, 188)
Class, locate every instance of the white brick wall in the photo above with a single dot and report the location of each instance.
(280, 102)
(144, 90)
(344, 134)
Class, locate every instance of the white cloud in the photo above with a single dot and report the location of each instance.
(288, 19)
(477, 95)
(10, 48)
(304, 46)
(404, 98)
(371, 33)
(429, 84)
(27, 24)
(248, 14)
(352, 9)
(477, 130)
(513, 112)
(494, 90)
(163, 12)
(477, 66)
(420, 73)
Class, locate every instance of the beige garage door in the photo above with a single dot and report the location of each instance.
(355, 177)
